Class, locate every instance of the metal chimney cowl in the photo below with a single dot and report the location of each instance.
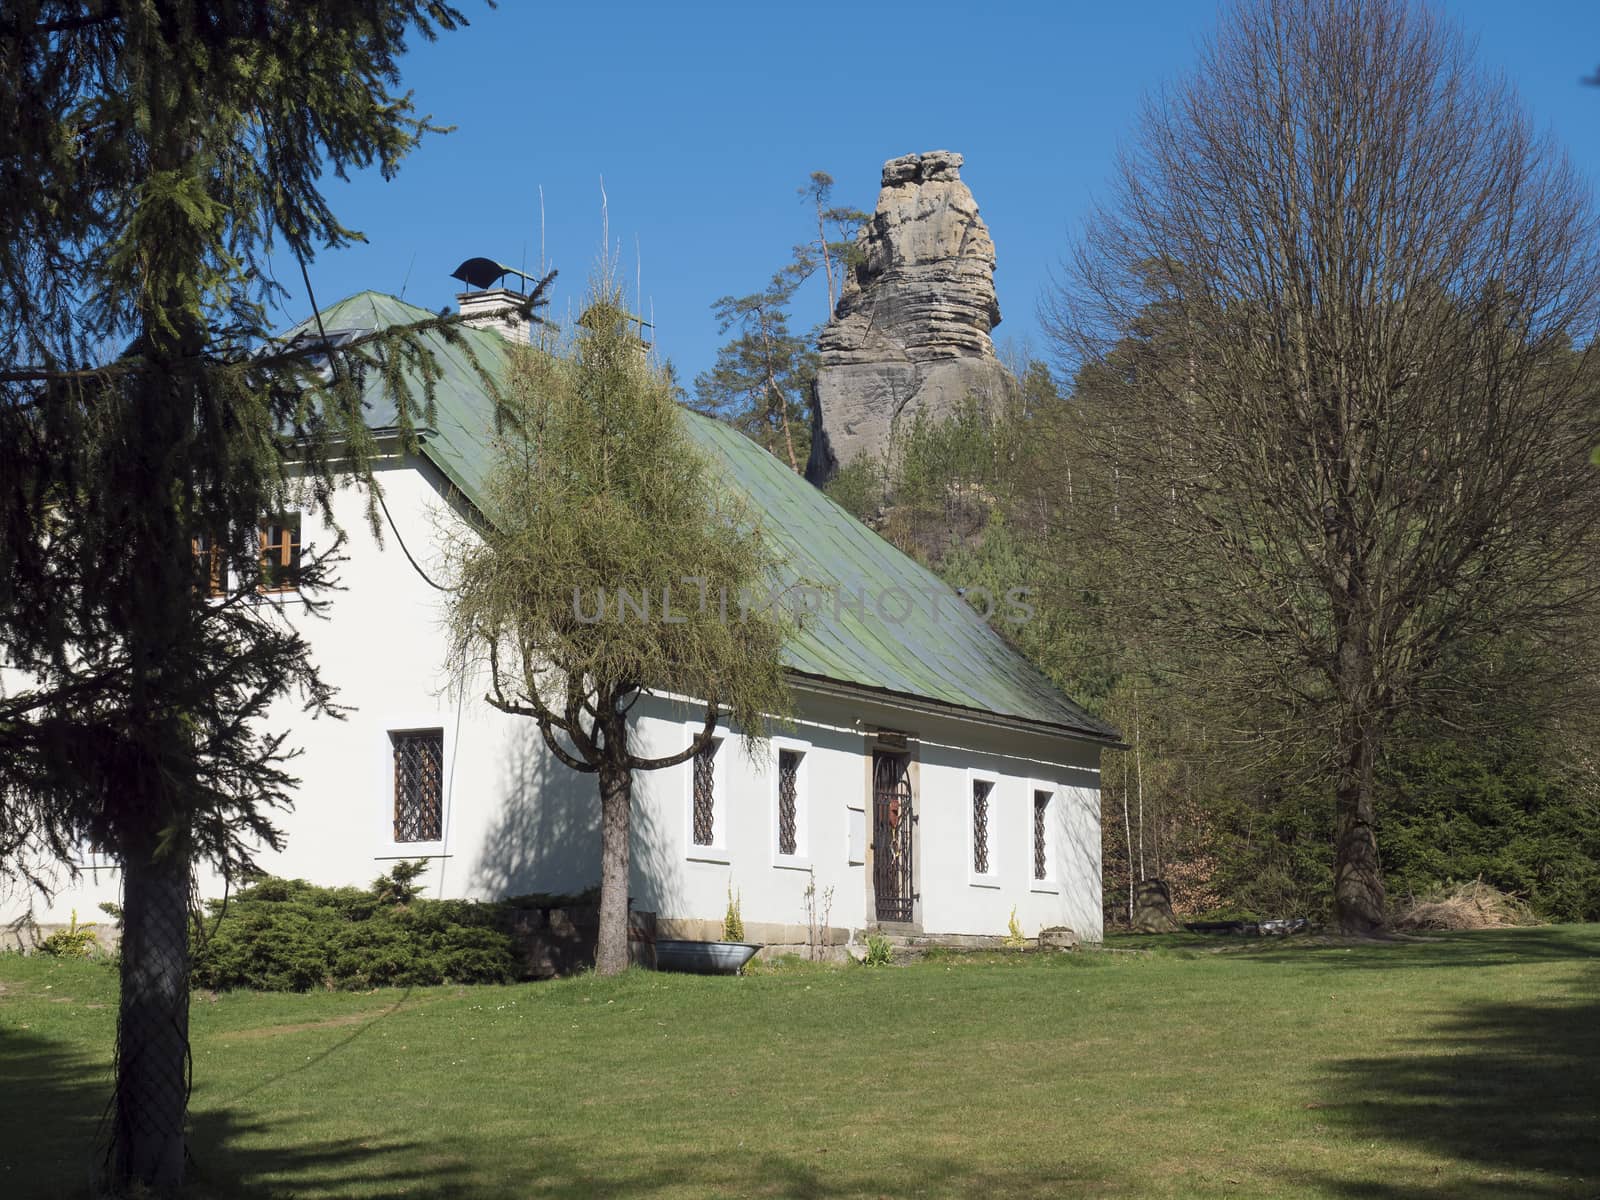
(489, 304)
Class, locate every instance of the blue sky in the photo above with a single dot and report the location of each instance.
(704, 118)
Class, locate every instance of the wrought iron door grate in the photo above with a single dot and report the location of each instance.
(418, 785)
(892, 878)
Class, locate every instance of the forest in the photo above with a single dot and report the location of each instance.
(1238, 827)
(1301, 485)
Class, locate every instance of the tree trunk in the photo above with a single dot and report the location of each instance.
(827, 260)
(1138, 771)
(1358, 901)
(616, 801)
(775, 394)
(152, 1086)
(1127, 835)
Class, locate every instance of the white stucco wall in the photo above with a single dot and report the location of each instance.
(517, 821)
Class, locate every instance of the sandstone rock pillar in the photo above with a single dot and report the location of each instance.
(911, 333)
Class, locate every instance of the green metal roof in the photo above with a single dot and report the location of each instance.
(457, 441)
(942, 651)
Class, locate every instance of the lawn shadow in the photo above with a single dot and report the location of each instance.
(1507, 1090)
(238, 1156)
(815, 1173)
(52, 1100)
(1462, 949)
(55, 1118)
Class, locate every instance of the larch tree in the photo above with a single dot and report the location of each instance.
(1332, 343)
(154, 156)
(611, 563)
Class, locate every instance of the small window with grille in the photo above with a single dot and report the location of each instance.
(981, 788)
(703, 816)
(418, 785)
(280, 553)
(790, 813)
(983, 853)
(1041, 836)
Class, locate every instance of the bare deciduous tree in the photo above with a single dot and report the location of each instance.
(1331, 334)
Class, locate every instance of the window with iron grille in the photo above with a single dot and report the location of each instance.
(705, 794)
(280, 553)
(1041, 813)
(980, 825)
(418, 785)
(788, 801)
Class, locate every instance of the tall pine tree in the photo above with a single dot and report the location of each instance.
(153, 156)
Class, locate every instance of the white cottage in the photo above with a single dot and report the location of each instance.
(934, 782)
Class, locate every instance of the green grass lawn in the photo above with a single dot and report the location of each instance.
(1465, 1067)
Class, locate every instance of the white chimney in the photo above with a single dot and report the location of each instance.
(489, 304)
(496, 309)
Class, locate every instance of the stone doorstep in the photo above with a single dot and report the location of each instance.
(949, 941)
(772, 951)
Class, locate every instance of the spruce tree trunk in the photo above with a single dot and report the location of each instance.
(1358, 899)
(616, 804)
(152, 1086)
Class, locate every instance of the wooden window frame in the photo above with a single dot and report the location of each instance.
(211, 568)
(286, 547)
(277, 536)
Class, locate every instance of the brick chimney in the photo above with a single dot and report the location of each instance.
(488, 303)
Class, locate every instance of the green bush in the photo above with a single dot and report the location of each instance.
(857, 487)
(1495, 809)
(75, 941)
(879, 952)
(289, 935)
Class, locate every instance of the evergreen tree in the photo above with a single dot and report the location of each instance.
(761, 381)
(154, 155)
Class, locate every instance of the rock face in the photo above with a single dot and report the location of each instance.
(911, 330)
